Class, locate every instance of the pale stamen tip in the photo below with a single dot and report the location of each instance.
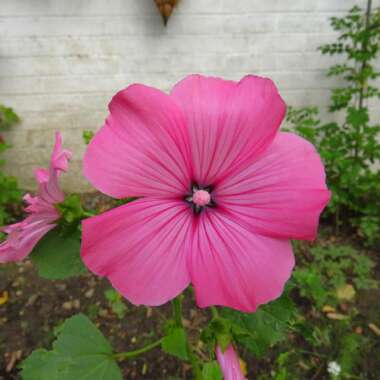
(201, 197)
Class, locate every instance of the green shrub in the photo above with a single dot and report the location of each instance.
(351, 149)
(329, 270)
(9, 191)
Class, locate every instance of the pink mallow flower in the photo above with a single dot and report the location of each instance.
(230, 364)
(41, 210)
(221, 191)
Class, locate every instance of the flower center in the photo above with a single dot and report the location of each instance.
(201, 197)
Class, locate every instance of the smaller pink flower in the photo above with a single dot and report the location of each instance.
(230, 364)
(42, 214)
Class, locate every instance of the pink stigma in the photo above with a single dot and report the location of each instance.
(201, 197)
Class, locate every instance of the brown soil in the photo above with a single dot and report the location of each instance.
(36, 306)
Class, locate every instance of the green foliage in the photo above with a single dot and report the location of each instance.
(332, 267)
(211, 371)
(260, 330)
(350, 149)
(9, 191)
(217, 332)
(71, 209)
(8, 118)
(115, 300)
(87, 136)
(311, 285)
(322, 328)
(79, 352)
(349, 352)
(282, 372)
(175, 343)
(57, 255)
(9, 194)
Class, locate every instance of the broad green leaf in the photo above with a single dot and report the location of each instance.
(58, 256)
(211, 371)
(268, 325)
(42, 365)
(80, 353)
(175, 343)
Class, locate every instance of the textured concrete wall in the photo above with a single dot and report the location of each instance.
(61, 61)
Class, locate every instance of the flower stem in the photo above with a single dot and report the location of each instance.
(195, 364)
(177, 313)
(132, 354)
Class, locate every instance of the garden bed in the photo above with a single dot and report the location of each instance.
(36, 306)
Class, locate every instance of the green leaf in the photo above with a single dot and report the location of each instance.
(57, 256)
(8, 117)
(87, 136)
(311, 285)
(218, 332)
(357, 117)
(349, 353)
(267, 326)
(211, 371)
(116, 302)
(42, 365)
(71, 208)
(112, 295)
(80, 353)
(221, 329)
(175, 343)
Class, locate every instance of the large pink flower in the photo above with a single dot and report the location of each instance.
(230, 364)
(221, 191)
(42, 214)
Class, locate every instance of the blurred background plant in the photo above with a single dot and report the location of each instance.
(325, 336)
(350, 149)
(9, 190)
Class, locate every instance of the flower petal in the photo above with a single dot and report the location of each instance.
(233, 267)
(22, 238)
(229, 363)
(229, 123)
(60, 157)
(143, 149)
(48, 188)
(281, 194)
(141, 247)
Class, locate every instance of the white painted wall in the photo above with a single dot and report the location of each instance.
(62, 60)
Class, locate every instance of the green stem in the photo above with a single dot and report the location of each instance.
(363, 77)
(177, 312)
(364, 50)
(195, 364)
(132, 354)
